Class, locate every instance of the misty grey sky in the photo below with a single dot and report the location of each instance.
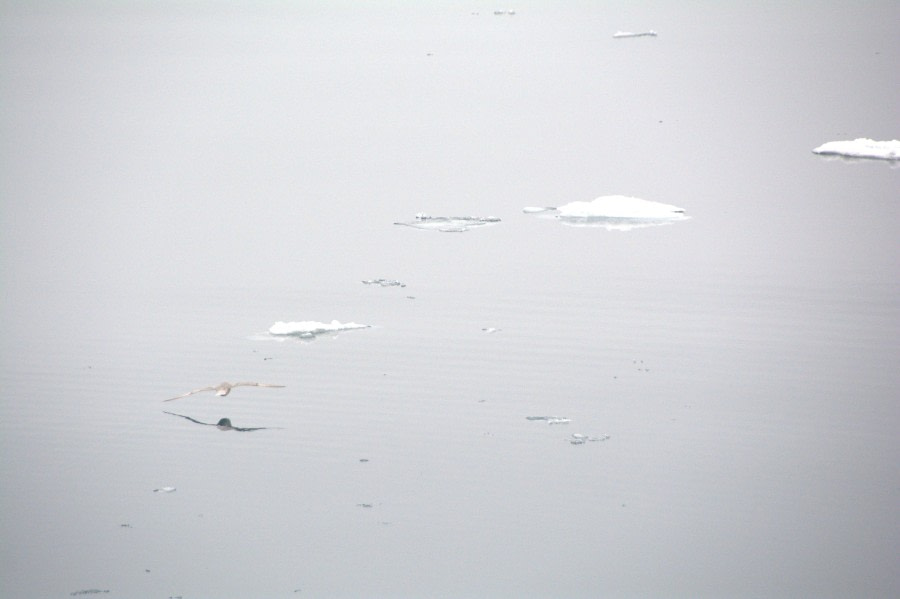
(155, 144)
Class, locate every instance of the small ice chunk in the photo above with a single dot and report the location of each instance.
(384, 282)
(558, 421)
(620, 34)
(164, 490)
(307, 329)
(490, 329)
(547, 418)
(579, 439)
(861, 148)
(449, 224)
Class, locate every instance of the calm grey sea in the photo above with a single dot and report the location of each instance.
(177, 177)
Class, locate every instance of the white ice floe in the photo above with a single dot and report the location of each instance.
(550, 419)
(164, 490)
(579, 439)
(449, 224)
(613, 213)
(619, 34)
(308, 329)
(861, 148)
(384, 282)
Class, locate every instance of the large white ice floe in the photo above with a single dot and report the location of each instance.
(309, 329)
(449, 224)
(621, 34)
(616, 212)
(861, 148)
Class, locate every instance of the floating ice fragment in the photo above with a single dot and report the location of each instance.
(579, 439)
(164, 490)
(614, 212)
(449, 224)
(550, 419)
(861, 148)
(308, 329)
(490, 329)
(384, 282)
(88, 592)
(620, 34)
(621, 207)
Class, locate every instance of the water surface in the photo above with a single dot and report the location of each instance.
(177, 179)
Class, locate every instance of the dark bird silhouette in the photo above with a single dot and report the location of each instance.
(224, 424)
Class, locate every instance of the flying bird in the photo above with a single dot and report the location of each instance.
(224, 424)
(223, 389)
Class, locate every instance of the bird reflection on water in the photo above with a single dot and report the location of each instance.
(224, 424)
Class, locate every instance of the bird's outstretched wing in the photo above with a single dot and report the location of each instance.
(249, 384)
(191, 393)
(189, 418)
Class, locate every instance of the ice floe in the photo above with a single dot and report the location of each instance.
(861, 148)
(309, 329)
(550, 419)
(621, 34)
(616, 212)
(449, 224)
(384, 282)
(579, 439)
(164, 490)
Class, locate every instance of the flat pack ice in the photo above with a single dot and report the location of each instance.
(620, 34)
(615, 212)
(307, 329)
(449, 224)
(861, 148)
(384, 282)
